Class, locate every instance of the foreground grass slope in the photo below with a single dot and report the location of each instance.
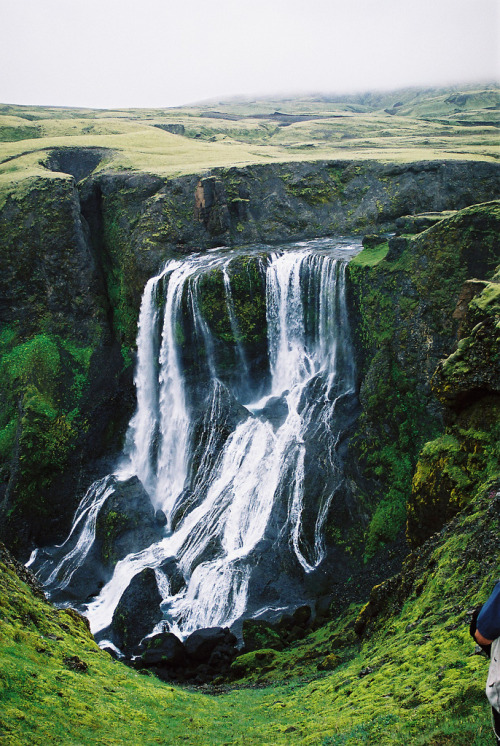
(408, 676)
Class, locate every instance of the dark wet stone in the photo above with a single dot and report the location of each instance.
(173, 572)
(258, 634)
(201, 644)
(163, 649)
(397, 245)
(276, 411)
(372, 240)
(160, 518)
(302, 615)
(137, 611)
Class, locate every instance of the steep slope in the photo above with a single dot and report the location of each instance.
(405, 294)
(411, 677)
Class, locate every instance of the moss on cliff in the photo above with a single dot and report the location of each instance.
(43, 380)
(404, 306)
(468, 454)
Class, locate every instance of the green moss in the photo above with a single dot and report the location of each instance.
(43, 380)
(107, 529)
(401, 307)
(370, 256)
(313, 189)
(452, 467)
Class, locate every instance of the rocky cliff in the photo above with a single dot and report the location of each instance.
(404, 295)
(77, 248)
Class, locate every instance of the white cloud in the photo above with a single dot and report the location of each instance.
(106, 53)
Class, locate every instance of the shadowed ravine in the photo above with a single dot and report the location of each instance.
(225, 450)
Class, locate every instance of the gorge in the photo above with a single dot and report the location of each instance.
(242, 397)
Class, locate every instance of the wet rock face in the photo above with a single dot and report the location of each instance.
(201, 644)
(259, 634)
(163, 649)
(137, 612)
(238, 206)
(46, 264)
(77, 259)
(126, 523)
(468, 384)
(79, 162)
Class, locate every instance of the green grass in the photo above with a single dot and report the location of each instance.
(412, 678)
(369, 257)
(243, 133)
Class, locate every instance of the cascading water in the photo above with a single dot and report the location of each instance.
(234, 477)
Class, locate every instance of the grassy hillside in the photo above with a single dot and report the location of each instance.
(408, 676)
(402, 126)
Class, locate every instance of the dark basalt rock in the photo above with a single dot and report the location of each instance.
(276, 411)
(160, 518)
(259, 634)
(205, 654)
(79, 162)
(137, 611)
(372, 240)
(302, 616)
(127, 522)
(173, 572)
(174, 129)
(397, 245)
(203, 642)
(411, 224)
(163, 649)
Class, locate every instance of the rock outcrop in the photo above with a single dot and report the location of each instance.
(467, 383)
(404, 303)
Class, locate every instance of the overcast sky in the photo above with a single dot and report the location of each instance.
(159, 53)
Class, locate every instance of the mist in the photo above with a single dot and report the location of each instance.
(160, 53)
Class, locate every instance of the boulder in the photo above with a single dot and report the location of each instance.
(276, 411)
(163, 649)
(160, 518)
(412, 224)
(126, 522)
(258, 635)
(372, 240)
(302, 616)
(137, 611)
(174, 574)
(201, 644)
(397, 245)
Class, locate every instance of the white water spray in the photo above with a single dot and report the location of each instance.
(219, 511)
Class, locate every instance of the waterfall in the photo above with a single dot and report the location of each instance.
(230, 475)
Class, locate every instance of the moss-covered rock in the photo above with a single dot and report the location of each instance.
(451, 467)
(258, 634)
(473, 370)
(255, 662)
(405, 324)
